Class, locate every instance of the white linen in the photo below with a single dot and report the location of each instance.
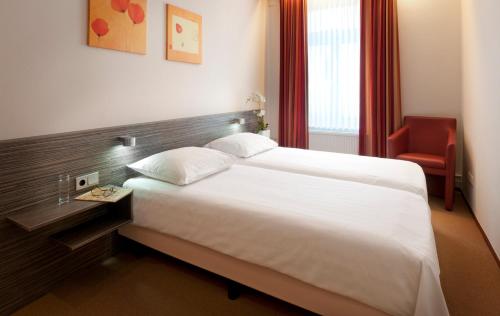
(378, 249)
(243, 145)
(183, 165)
(392, 173)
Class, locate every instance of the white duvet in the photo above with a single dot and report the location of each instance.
(396, 174)
(378, 249)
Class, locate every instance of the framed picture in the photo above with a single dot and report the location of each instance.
(184, 35)
(118, 24)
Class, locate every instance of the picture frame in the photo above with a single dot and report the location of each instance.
(184, 35)
(118, 25)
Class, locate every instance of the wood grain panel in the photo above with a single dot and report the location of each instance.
(31, 263)
(44, 214)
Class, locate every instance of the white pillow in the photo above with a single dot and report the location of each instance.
(183, 165)
(243, 145)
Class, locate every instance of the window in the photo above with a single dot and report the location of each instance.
(334, 59)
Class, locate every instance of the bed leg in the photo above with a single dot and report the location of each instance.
(233, 290)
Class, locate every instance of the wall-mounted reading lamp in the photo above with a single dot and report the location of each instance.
(127, 141)
(240, 121)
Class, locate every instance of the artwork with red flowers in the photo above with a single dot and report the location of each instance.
(184, 40)
(118, 24)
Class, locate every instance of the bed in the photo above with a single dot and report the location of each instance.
(308, 240)
(396, 174)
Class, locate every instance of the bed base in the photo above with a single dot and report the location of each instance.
(260, 278)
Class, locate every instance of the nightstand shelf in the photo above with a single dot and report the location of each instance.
(42, 215)
(86, 233)
(111, 216)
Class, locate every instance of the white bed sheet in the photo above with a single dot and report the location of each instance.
(378, 249)
(392, 173)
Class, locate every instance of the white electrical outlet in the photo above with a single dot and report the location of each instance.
(88, 180)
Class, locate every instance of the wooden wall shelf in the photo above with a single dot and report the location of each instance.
(86, 233)
(40, 216)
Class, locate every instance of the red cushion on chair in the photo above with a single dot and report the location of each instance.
(425, 160)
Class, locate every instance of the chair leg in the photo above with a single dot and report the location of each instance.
(449, 192)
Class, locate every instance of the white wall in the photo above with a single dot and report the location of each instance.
(51, 81)
(430, 48)
(481, 113)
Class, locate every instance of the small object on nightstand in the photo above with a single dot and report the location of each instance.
(108, 193)
(63, 185)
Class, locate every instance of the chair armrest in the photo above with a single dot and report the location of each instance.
(397, 143)
(451, 151)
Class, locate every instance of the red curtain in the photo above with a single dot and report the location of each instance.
(293, 123)
(380, 102)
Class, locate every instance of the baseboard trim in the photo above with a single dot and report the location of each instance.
(492, 250)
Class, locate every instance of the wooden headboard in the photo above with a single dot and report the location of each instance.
(29, 168)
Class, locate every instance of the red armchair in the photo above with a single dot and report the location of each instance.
(429, 142)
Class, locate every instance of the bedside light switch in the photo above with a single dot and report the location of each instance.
(93, 179)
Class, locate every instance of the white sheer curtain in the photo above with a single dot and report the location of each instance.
(334, 58)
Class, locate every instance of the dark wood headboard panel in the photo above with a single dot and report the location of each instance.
(29, 167)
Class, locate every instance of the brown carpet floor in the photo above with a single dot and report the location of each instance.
(148, 283)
